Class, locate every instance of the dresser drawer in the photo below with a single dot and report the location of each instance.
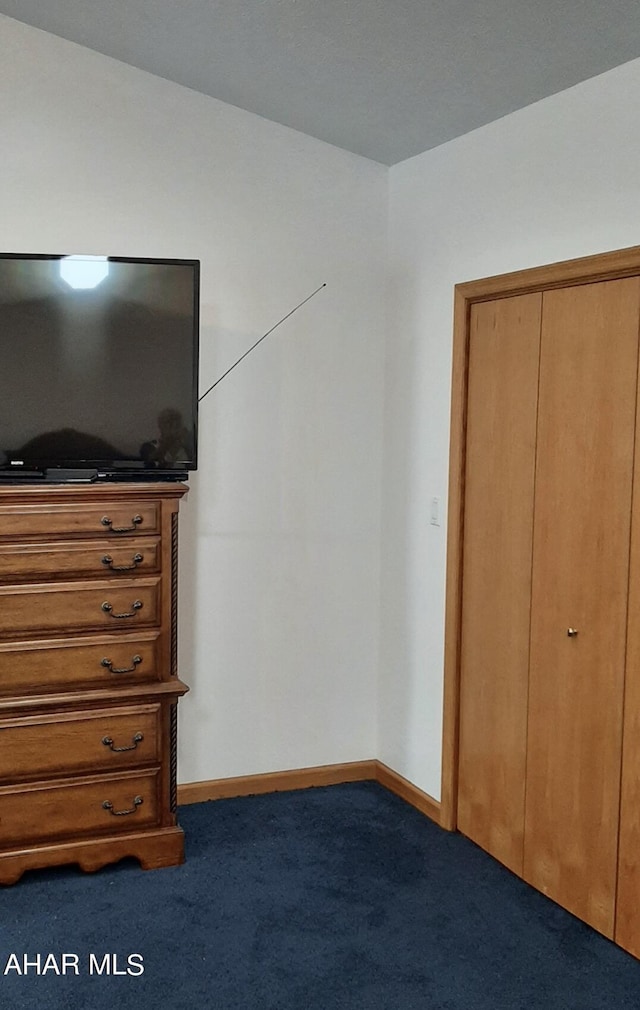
(70, 607)
(67, 559)
(111, 519)
(106, 661)
(105, 739)
(99, 804)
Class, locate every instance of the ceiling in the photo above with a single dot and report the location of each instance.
(386, 79)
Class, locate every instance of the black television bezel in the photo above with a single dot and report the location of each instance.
(114, 469)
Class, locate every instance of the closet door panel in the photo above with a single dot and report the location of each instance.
(501, 434)
(587, 403)
(627, 931)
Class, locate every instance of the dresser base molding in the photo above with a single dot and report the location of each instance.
(153, 849)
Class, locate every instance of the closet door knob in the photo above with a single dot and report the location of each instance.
(572, 632)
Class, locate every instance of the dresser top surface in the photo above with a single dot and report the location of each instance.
(59, 494)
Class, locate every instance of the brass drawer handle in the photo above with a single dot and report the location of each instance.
(137, 605)
(121, 529)
(107, 560)
(108, 742)
(107, 805)
(108, 663)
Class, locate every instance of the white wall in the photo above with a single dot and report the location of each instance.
(280, 533)
(557, 180)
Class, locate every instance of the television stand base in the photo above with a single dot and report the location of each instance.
(145, 476)
(53, 475)
(63, 475)
(22, 477)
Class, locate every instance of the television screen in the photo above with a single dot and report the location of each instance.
(98, 363)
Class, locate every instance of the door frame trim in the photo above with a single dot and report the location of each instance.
(585, 270)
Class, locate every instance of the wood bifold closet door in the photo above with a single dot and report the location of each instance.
(551, 418)
(504, 351)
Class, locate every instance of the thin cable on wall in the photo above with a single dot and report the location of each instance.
(263, 337)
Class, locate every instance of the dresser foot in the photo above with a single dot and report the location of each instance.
(153, 849)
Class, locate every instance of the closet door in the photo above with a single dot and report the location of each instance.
(584, 465)
(500, 463)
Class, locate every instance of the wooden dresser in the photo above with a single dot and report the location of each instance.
(88, 678)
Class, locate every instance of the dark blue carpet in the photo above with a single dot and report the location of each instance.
(340, 898)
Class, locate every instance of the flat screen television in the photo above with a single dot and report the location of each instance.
(98, 367)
